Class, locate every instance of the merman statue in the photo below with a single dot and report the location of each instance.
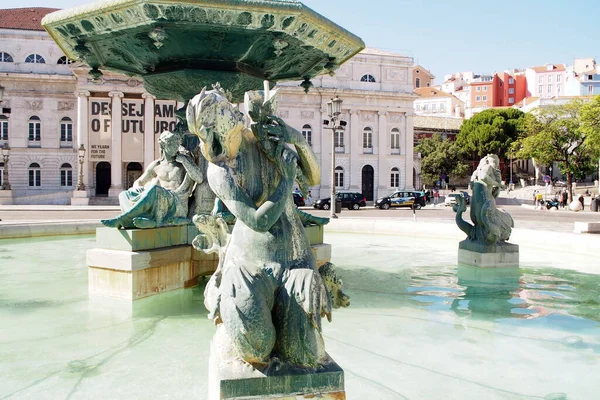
(160, 197)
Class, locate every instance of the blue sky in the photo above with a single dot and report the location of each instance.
(447, 36)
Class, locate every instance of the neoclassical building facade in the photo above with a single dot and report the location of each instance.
(51, 107)
(374, 153)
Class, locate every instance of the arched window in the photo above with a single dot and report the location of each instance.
(395, 139)
(339, 138)
(5, 57)
(35, 175)
(418, 82)
(35, 131)
(66, 132)
(368, 78)
(367, 138)
(35, 59)
(395, 178)
(3, 127)
(307, 133)
(64, 61)
(339, 177)
(66, 175)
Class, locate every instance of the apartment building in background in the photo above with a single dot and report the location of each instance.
(435, 102)
(546, 81)
(422, 77)
(583, 78)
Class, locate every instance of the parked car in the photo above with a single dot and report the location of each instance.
(402, 198)
(299, 200)
(451, 198)
(350, 200)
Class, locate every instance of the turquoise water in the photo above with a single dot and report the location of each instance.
(418, 328)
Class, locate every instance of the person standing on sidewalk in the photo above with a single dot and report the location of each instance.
(436, 195)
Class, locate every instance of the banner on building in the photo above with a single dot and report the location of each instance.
(100, 129)
(132, 127)
(132, 130)
(164, 120)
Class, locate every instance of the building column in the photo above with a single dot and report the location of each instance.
(82, 133)
(326, 173)
(149, 141)
(116, 165)
(383, 149)
(354, 148)
(81, 197)
(409, 145)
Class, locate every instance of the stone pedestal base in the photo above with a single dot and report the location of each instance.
(6, 197)
(132, 264)
(80, 198)
(136, 263)
(242, 382)
(504, 255)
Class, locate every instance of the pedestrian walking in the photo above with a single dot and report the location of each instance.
(436, 195)
(565, 198)
(538, 199)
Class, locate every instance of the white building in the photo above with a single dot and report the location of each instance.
(435, 102)
(374, 154)
(546, 81)
(38, 111)
(51, 108)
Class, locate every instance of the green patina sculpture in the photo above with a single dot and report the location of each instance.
(160, 197)
(491, 227)
(268, 297)
(180, 46)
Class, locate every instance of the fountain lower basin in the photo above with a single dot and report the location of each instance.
(414, 328)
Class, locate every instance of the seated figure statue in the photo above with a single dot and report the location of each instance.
(491, 227)
(160, 196)
(267, 298)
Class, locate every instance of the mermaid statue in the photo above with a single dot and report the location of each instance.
(267, 297)
(491, 227)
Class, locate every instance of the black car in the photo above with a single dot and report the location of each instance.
(350, 200)
(402, 198)
(299, 200)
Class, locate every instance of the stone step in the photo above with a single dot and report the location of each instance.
(104, 201)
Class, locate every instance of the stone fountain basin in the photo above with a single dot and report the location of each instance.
(414, 328)
(178, 47)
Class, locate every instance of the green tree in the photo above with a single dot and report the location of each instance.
(556, 134)
(590, 119)
(490, 132)
(440, 156)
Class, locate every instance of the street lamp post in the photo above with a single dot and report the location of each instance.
(81, 155)
(5, 154)
(334, 109)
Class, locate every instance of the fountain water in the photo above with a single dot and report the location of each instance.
(414, 330)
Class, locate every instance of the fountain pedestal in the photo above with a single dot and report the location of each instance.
(132, 264)
(500, 255)
(80, 198)
(240, 381)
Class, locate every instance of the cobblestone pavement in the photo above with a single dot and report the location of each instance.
(526, 217)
